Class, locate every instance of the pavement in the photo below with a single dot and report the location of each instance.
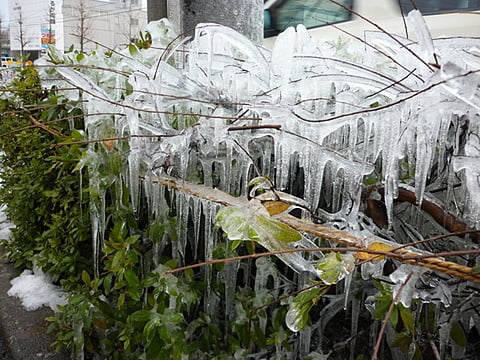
(23, 334)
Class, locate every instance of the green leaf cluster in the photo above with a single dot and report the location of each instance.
(39, 188)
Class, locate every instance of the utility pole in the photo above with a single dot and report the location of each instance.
(244, 16)
(51, 21)
(1, 34)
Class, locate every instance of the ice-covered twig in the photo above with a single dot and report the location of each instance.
(408, 256)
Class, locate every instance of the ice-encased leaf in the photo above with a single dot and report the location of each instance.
(240, 224)
(236, 223)
(335, 266)
(298, 312)
(277, 230)
(297, 316)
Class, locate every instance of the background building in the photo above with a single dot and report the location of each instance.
(85, 24)
(4, 39)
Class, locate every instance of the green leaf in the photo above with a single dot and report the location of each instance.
(150, 328)
(308, 295)
(107, 283)
(381, 307)
(131, 278)
(117, 260)
(394, 317)
(86, 278)
(80, 57)
(236, 224)
(402, 341)
(134, 294)
(132, 49)
(457, 334)
(154, 347)
(260, 180)
(106, 309)
(143, 316)
(335, 266)
(156, 231)
(121, 300)
(297, 315)
(278, 230)
(407, 318)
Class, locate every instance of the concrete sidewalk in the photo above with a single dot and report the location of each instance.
(24, 332)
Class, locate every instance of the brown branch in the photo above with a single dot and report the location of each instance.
(254, 127)
(387, 317)
(46, 128)
(430, 261)
(445, 219)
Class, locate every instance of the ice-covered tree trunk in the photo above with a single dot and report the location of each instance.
(244, 16)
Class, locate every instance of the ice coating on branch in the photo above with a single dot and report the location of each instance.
(424, 38)
(323, 113)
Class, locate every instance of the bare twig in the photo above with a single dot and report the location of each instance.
(46, 128)
(387, 317)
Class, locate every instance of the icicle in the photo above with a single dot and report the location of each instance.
(182, 209)
(211, 298)
(355, 311)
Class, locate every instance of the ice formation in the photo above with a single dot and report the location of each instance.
(316, 118)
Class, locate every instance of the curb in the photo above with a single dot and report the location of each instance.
(24, 332)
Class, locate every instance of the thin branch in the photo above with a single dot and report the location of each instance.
(430, 261)
(73, 117)
(46, 128)
(373, 23)
(126, 137)
(124, 105)
(387, 317)
(254, 127)
(386, 106)
(391, 58)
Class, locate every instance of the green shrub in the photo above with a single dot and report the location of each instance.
(42, 193)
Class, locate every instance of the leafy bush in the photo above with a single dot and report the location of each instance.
(42, 193)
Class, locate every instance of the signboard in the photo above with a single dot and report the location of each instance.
(48, 36)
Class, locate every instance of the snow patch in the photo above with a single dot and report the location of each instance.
(35, 289)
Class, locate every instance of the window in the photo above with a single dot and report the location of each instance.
(281, 14)
(429, 7)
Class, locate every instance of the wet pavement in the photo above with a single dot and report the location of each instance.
(23, 334)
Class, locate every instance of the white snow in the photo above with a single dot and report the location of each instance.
(35, 289)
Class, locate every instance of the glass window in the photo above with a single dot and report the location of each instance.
(429, 7)
(281, 14)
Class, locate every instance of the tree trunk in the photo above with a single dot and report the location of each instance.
(244, 16)
(156, 9)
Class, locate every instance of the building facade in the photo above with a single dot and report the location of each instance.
(85, 24)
